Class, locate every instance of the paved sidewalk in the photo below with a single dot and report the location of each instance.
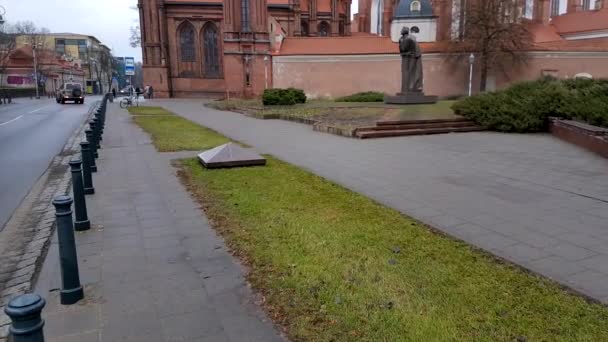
(154, 270)
(531, 199)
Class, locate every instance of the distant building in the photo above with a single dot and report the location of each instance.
(53, 71)
(80, 50)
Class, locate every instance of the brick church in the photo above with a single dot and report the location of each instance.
(241, 47)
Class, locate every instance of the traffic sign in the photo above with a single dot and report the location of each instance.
(129, 66)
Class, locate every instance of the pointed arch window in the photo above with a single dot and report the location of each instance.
(211, 60)
(324, 29)
(245, 16)
(186, 42)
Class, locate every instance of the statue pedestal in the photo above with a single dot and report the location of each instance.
(410, 98)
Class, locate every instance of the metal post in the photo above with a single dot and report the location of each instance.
(471, 61)
(26, 321)
(87, 179)
(35, 70)
(97, 131)
(80, 203)
(93, 141)
(71, 290)
(89, 135)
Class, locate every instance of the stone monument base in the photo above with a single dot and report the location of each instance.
(410, 98)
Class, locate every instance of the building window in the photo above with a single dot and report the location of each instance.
(211, 51)
(60, 46)
(415, 6)
(554, 7)
(304, 28)
(324, 29)
(529, 9)
(186, 42)
(82, 49)
(245, 15)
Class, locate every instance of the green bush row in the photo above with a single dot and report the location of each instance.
(17, 92)
(368, 96)
(283, 97)
(526, 106)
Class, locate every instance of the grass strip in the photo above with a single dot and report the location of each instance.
(174, 133)
(335, 265)
(148, 110)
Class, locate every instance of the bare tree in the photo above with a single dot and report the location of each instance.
(7, 47)
(496, 32)
(35, 36)
(106, 64)
(135, 39)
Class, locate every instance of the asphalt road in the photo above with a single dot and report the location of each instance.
(32, 133)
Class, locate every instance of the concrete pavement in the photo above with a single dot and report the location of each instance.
(528, 198)
(32, 133)
(153, 268)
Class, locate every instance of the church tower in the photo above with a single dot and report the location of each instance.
(246, 47)
(154, 46)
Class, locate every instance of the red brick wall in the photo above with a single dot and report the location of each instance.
(332, 76)
(591, 143)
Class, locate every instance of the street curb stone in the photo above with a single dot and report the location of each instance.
(26, 236)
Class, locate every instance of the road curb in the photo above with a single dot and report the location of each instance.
(26, 236)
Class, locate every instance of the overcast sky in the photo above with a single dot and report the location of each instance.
(108, 20)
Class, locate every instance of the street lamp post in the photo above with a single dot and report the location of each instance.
(471, 62)
(36, 70)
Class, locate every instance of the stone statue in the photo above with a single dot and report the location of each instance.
(411, 62)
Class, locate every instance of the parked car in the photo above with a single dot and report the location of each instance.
(70, 92)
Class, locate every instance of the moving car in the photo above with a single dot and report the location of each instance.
(70, 92)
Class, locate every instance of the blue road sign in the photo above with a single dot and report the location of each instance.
(129, 66)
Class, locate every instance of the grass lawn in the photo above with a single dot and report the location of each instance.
(172, 133)
(145, 110)
(336, 266)
(342, 114)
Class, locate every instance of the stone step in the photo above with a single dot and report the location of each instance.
(410, 125)
(415, 131)
(422, 121)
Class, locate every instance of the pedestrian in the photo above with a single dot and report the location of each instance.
(137, 92)
(113, 92)
(150, 92)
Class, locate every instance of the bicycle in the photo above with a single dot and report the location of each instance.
(128, 102)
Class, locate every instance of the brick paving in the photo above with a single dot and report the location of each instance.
(531, 199)
(153, 268)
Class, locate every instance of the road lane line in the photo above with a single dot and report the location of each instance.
(9, 121)
(35, 110)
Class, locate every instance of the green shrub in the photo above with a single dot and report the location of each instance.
(526, 106)
(368, 96)
(283, 97)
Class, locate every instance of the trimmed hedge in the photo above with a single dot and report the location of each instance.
(283, 97)
(18, 92)
(526, 106)
(368, 96)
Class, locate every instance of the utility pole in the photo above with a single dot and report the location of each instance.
(35, 70)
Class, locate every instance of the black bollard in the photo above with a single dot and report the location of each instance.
(80, 203)
(26, 322)
(93, 141)
(97, 132)
(87, 179)
(71, 290)
(92, 150)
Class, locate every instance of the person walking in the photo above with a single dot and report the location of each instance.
(150, 92)
(113, 92)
